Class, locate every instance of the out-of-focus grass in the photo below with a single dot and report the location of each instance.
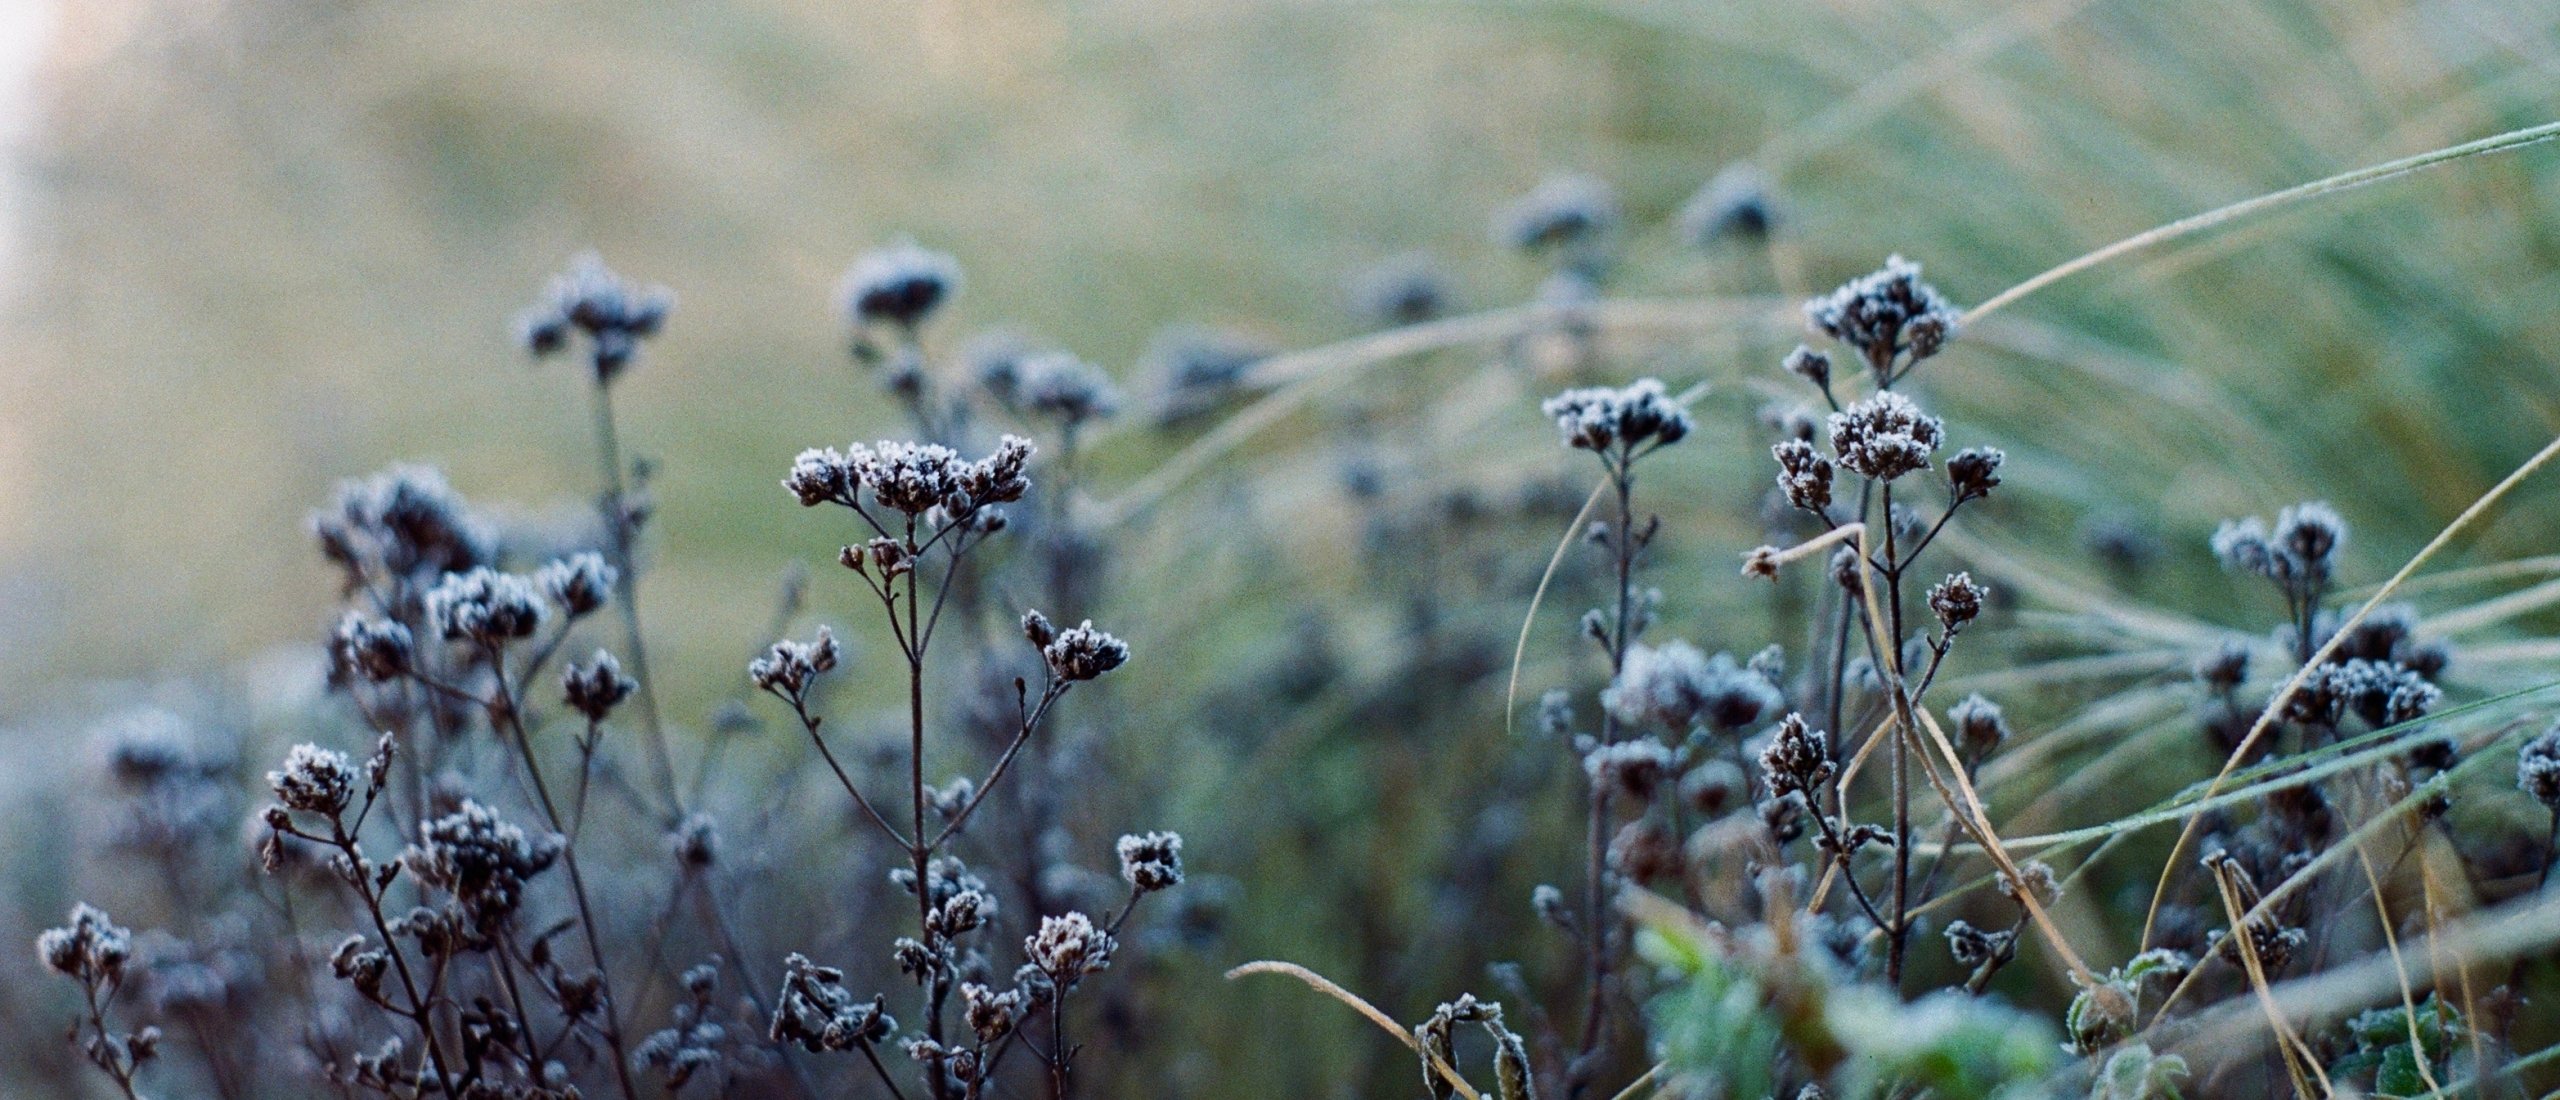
(275, 243)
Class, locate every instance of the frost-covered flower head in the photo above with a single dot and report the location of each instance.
(1069, 947)
(912, 478)
(2538, 768)
(1060, 385)
(1630, 418)
(1563, 211)
(1886, 314)
(91, 948)
(902, 284)
(615, 314)
(2299, 554)
(1733, 205)
(401, 523)
(1189, 370)
(314, 780)
(1885, 436)
(817, 1013)
(482, 860)
(1407, 289)
(579, 583)
(1675, 686)
(1152, 861)
(789, 667)
(1077, 653)
(485, 607)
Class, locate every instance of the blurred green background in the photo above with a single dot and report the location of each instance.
(260, 245)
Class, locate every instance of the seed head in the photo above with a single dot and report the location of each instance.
(1562, 211)
(91, 948)
(485, 607)
(1069, 947)
(370, 648)
(1981, 728)
(1957, 601)
(1886, 314)
(314, 780)
(1797, 759)
(597, 687)
(1733, 206)
(788, 667)
(1803, 475)
(1600, 419)
(1974, 472)
(1079, 652)
(902, 284)
(1885, 436)
(1151, 862)
(2538, 768)
(1401, 290)
(616, 315)
(579, 583)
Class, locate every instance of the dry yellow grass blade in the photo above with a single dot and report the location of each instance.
(1324, 985)
(2297, 1054)
(2190, 226)
(2391, 940)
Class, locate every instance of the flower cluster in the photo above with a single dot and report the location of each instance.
(92, 948)
(1604, 420)
(1069, 947)
(1886, 314)
(615, 313)
(482, 860)
(1797, 759)
(2299, 554)
(1077, 653)
(405, 522)
(817, 1013)
(2538, 768)
(911, 478)
(1885, 437)
(1152, 861)
(788, 667)
(595, 688)
(1676, 686)
(902, 284)
(579, 583)
(485, 607)
(1563, 211)
(314, 780)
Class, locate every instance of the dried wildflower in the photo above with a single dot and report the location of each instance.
(1603, 420)
(1674, 686)
(1957, 601)
(485, 607)
(693, 1043)
(902, 284)
(1973, 946)
(1194, 369)
(1069, 947)
(314, 780)
(616, 315)
(816, 1012)
(1797, 759)
(91, 948)
(595, 688)
(2040, 882)
(1548, 902)
(788, 667)
(1803, 475)
(1733, 205)
(1630, 769)
(1401, 290)
(1848, 570)
(696, 841)
(1974, 472)
(1981, 728)
(1059, 385)
(1885, 436)
(1645, 850)
(992, 1015)
(2225, 668)
(1077, 653)
(482, 860)
(1151, 862)
(370, 648)
(2538, 768)
(1713, 787)
(1562, 211)
(403, 522)
(579, 583)
(2383, 693)
(1810, 365)
(361, 965)
(2299, 554)
(1886, 314)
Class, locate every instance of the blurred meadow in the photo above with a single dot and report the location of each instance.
(259, 246)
